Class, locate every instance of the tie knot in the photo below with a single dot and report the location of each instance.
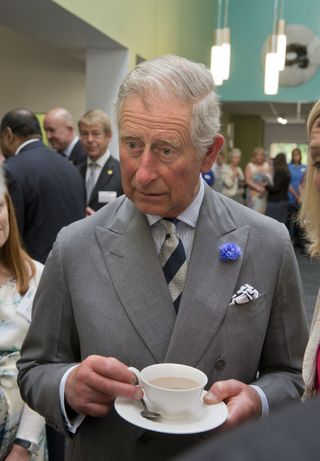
(170, 225)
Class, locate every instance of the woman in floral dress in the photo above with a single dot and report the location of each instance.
(21, 429)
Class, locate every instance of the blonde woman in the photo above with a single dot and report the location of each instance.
(310, 221)
(21, 429)
(233, 177)
(258, 175)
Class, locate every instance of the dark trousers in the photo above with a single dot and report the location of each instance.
(278, 210)
(296, 233)
(55, 443)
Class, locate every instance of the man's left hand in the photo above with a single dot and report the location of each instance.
(242, 400)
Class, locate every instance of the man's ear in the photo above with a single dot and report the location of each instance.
(8, 135)
(212, 153)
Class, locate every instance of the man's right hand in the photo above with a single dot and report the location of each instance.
(89, 211)
(92, 386)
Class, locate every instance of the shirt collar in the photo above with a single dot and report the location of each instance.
(68, 150)
(190, 215)
(101, 160)
(25, 144)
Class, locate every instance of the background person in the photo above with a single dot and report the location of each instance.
(233, 177)
(258, 176)
(297, 173)
(310, 220)
(277, 204)
(218, 169)
(22, 434)
(291, 434)
(104, 303)
(208, 177)
(100, 171)
(47, 191)
(60, 131)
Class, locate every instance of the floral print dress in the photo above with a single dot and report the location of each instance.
(15, 415)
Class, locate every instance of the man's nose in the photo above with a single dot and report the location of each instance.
(147, 168)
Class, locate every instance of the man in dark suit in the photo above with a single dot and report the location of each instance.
(291, 434)
(59, 127)
(100, 171)
(47, 191)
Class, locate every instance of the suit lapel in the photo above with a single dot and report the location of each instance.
(83, 170)
(210, 283)
(74, 152)
(133, 264)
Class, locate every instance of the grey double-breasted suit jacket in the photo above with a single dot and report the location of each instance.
(103, 292)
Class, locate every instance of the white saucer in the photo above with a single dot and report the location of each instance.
(206, 417)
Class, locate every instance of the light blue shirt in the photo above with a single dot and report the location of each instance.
(185, 227)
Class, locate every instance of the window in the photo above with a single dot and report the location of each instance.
(287, 148)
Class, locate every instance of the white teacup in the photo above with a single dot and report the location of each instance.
(173, 389)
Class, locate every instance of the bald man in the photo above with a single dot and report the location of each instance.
(59, 127)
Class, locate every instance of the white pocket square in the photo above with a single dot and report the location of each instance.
(245, 294)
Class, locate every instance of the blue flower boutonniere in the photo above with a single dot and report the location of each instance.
(229, 252)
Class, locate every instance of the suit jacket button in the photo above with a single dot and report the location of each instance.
(145, 437)
(219, 364)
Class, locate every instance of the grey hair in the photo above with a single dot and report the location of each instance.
(3, 187)
(235, 151)
(177, 78)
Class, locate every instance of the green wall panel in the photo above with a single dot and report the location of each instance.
(248, 134)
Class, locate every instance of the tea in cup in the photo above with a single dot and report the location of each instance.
(173, 389)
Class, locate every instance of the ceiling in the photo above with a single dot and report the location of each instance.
(49, 23)
(55, 26)
(269, 111)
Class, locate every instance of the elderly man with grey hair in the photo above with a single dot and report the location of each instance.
(232, 307)
(60, 131)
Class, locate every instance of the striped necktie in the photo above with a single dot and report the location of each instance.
(173, 261)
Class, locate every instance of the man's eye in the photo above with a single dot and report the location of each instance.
(133, 147)
(167, 153)
(316, 165)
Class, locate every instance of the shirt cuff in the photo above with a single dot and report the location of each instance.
(264, 400)
(73, 425)
(31, 426)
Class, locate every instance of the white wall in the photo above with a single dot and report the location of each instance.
(291, 133)
(105, 70)
(38, 77)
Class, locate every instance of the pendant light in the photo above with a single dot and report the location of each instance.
(276, 52)
(220, 50)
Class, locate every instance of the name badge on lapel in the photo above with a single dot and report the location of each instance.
(106, 196)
